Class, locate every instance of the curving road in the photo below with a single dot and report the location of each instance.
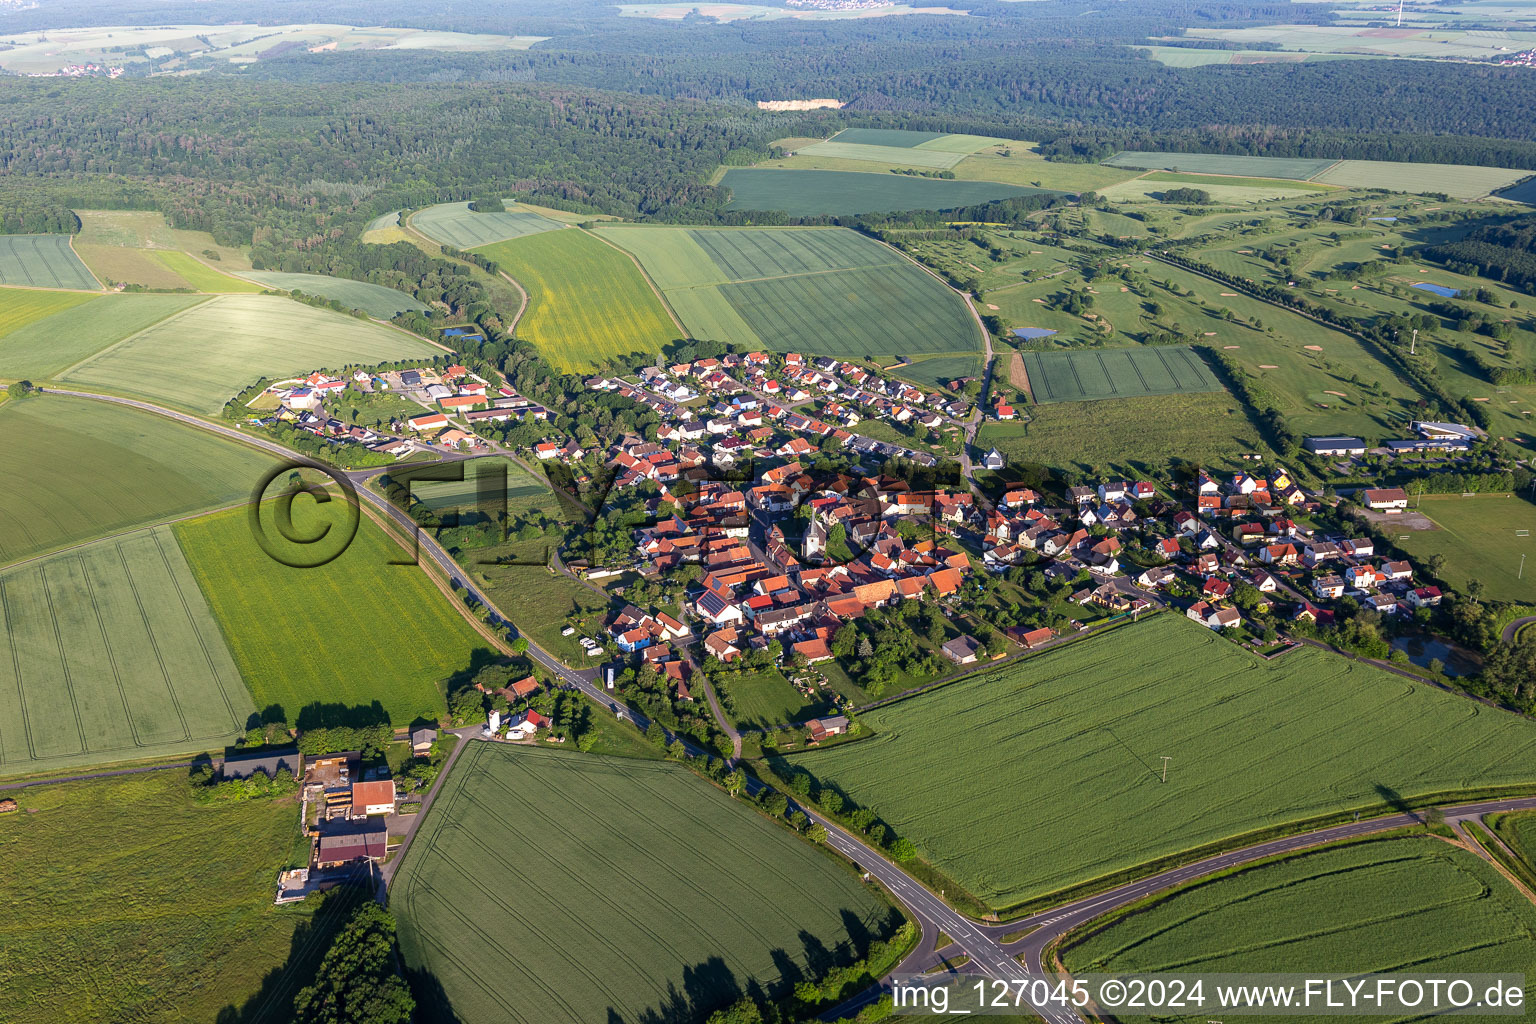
(1508, 636)
(983, 943)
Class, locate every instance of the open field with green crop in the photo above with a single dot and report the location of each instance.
(457, 225)
(200, 357)
(1136, 435)
(373, 299)
(42, 261)
(1364, 908)
(521, 490)
(1373, 40)
(122, 899)
(1144, 189)
(1299, 168)
(808, 193)
(147, 229)
(824, 291)
(1481, 538)
(355, 631)
(1117, 373)
(93, 469)
(200, 275)
(1227, 179)
(46, 346)
(1186, 57)
(901, 138)
(117, 264)
(19, 308)
(644, 906)
(1459, 181)
(587, 301)
(886, 156)
(115, 657)
(1081, 730)
(1015, 163)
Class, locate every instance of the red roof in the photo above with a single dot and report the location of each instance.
(372, 794)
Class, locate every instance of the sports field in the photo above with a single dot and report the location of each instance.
(1482, 538)
(1078, 734)
(1411, 904)
(457, 225)
(373, 299)
(808, 193)
(1459, 181)
(42, 261)
(1079, 375)
(45, 346)
(354, 631)
(114, 656)
(198, 358)
(122, 899)
(825, 291)
(587, 301)
(628, 890)
(19, 308)
(92, 469)
(1298, 168)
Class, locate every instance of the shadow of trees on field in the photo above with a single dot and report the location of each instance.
(273, 1002)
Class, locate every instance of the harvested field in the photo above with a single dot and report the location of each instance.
(1082, 730)
(457, 225)
(42, 261)
(659, 894)
(1117, 373)
(114, 657)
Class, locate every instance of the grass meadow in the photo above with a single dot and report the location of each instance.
(1411, 903)
(45, 347)
(1174, 177)
(373, 299)
(198, 358)
(809, 193)
(1084, 375)
(1480, 538)
(1459, 181)
(357, 630)
(22, 308)
(123, 900)
(655, 893)
(147, 229)
(117, 264)
(765, 700)
(114, 657)
(1297, 168)
(1134, 436)
(456, 225)
(1075, 738)
(200, 275)
(93, 469)
(587, 301)
(824, 291)
(43, 261)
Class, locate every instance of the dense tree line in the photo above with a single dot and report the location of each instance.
(1504, 252)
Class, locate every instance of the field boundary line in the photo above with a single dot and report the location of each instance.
(69, 242)
(649, 283)
(186, 610)
(149, 631)
(69, 682)
(21, 691)
(101, 626)
(60, 374)
(7, 567)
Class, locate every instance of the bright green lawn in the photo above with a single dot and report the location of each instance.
(199, 358)
(122, 900)
(1074, 739)
(765, 700)
(1480, 539)
(200, 275)
(114, 657)
(91, 469)
(1412, 904)
(355, 631)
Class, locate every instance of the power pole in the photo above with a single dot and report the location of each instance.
(1166, 759)
(1413, 346)
(1521, 574)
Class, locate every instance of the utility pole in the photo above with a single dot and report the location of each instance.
(1413, 346)
(1521, 574)
(1166, 759)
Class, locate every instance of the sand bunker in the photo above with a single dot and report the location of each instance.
(1339, 393)
(1041, 301)
(1479, 399)
(990, 306)
(1210, 334)
(1313, 348)
(1229, 295)
(1268, 366)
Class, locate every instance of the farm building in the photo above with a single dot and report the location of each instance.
(821, 728)
(1334, 445)
(243, 766)
(962, 650)
(422, 740)
(365, 841)
(373, 797)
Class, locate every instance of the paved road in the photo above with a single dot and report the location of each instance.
(387, 872)
(1508, 636)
